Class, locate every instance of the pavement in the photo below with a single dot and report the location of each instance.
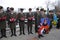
(54, 34)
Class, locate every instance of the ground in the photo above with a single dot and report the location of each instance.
(54, 34)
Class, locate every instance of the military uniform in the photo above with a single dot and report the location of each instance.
(12, 22)
(21, 18)
(37, 20)
(3, 18)
(30, 19)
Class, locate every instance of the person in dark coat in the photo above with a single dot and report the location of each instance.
(58, 16)
(3, 18)
(12, 17)
(21, 18)
(37, 19)
(29, 17)
(50, 16)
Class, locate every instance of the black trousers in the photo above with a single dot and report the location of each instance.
(50, 25)
(58, 25)
(29, 27)
(36, 27)
(21, 25)
(13, 31)
(3, 32)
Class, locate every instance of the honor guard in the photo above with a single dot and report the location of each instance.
(3, 18)
(30, 18)
(37, 18)
(12, 21)
(21, 18)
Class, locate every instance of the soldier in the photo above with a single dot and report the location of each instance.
(21, 18)
(50, 16)
(3, 18)
(12, 21)
(37, 18)
(29, 17)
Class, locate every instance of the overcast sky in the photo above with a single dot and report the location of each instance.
(26, 4)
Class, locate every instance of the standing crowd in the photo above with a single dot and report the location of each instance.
(43, 22)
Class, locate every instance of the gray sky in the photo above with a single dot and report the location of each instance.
(26, 4)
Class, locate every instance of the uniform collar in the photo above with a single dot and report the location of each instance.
(12, 12)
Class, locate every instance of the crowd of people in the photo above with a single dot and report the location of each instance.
(43, 22)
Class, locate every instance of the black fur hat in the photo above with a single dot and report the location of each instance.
(11, 8)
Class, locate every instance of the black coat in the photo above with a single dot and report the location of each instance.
(37, 18)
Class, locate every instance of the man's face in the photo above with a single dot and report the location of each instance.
(42, 12)
(1, 10)
(21, 11)
(37, 11)
(11, 11)
(30, 10)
